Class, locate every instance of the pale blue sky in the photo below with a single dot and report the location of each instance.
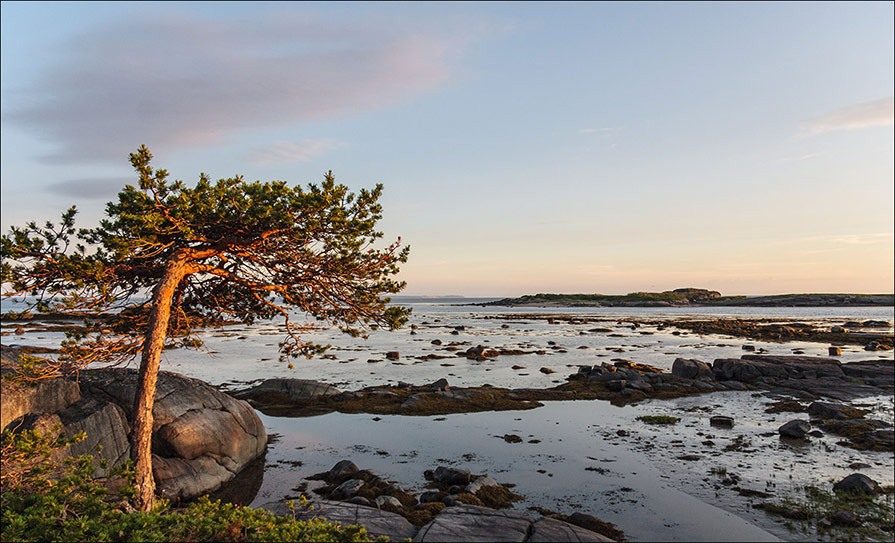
(524, 147)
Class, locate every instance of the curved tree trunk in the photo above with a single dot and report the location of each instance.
(141, 430)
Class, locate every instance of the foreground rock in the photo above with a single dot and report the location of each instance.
(202, 437)
(458, 506)
(376, 521)
(462, 523)
(471, 523)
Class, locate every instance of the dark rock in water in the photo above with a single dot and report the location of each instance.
(280, 391)
(341, 469)
(796, 429)
(450, 476)
(547, 371)
(835, 351)
(436, 342)
(748, 347)
(393, 355)
(831, 411)
(721, 421)
(857, 483)
(875, 324)
(691, 369)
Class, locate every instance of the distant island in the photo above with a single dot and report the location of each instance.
(694, 296)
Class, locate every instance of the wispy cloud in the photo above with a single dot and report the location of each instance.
(864, 115)
(90, 188)
(287, 151)
(171, 79)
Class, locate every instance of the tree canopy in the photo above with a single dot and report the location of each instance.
(251, 250)
(170, 257)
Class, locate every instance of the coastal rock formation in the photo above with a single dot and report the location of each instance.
(202, 438)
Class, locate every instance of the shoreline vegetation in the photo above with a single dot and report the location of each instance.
(692, 297)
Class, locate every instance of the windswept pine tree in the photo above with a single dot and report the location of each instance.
(169, 258)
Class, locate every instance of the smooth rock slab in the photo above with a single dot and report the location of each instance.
(470, 523)
(547, 529)
(377, 522)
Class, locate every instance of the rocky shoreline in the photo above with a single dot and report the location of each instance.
(623, 382)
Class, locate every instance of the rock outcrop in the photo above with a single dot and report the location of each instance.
(202, 438)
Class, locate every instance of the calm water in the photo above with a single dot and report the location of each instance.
(636, 481)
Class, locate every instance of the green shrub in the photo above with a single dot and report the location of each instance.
(45, 500)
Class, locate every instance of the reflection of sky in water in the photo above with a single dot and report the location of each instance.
(643, 487)
(666, 498)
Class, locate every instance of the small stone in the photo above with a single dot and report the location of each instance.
(480, 483)
(721, 421)
(348, 489)
(393, 355)
(387, 500)
(835, 351)
(796, 429)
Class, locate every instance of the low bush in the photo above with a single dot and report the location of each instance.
(46, 500)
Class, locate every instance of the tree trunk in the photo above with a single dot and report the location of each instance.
(141, 431)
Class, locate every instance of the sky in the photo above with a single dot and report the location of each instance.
(524, 147)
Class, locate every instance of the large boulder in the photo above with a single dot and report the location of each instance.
(202, 437)
(106, 428)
